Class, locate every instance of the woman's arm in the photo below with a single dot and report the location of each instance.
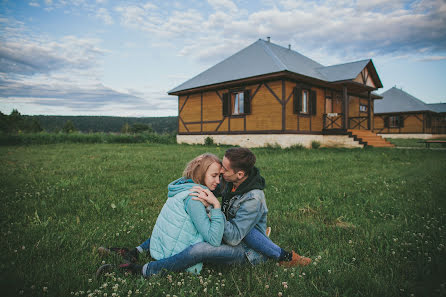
(211, 228)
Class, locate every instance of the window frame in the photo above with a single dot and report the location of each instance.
(364, 109)
(307, 103)
(394, 121)
(241, 103)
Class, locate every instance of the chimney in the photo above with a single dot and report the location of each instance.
(289, 46)
(268, 39)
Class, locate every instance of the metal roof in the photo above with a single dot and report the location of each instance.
(438, 107)
(396, 100)
(264, 57)
(345, 71)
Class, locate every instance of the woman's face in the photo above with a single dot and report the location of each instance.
(212, 176)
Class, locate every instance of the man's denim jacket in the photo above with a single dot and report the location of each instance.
(245, 212)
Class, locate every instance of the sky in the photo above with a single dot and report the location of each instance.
(120, 58)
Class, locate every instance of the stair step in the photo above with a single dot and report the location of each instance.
(370, 138)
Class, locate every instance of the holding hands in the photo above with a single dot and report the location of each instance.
(205, 196)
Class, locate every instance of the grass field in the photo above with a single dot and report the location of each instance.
(372, 220)
(419, 143)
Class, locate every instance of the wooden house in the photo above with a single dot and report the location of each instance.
(401, 115)
(269, 94)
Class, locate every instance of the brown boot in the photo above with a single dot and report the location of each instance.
(296, 260)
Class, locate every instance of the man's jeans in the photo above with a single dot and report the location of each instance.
(262, 244)
(206, 253)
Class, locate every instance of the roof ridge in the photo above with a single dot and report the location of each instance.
(270, 52)
(345, 63)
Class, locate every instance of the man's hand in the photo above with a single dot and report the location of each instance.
(205, 196)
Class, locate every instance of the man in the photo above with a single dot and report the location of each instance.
(244, 206)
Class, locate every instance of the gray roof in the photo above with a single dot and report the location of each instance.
(263, 57)
(438, 107)
(343, 71)
(396, 100)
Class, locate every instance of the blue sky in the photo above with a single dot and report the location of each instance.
(120, 58)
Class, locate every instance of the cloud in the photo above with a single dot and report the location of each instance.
(433, 58)
(225, 5)
(49, 76)
(80, 99)
(25, 53)
(34, 4)
(103, 14)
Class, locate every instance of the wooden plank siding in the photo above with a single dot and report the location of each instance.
(413, 123)
(271, 110)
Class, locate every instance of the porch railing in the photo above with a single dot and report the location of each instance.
(358, 123)
(332, 120)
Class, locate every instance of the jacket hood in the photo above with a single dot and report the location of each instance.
(254, 182)
(180, 185)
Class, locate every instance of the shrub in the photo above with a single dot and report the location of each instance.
(69, 127)
(208, 141)
(315, 144)
(296, 147)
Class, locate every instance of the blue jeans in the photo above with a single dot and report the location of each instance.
(198, 253)
(146, 245)
(262, 244)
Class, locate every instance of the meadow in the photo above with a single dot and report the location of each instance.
(372, 220)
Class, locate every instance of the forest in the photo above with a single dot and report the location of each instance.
(16, 122)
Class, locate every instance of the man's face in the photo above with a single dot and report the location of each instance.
(228, 173)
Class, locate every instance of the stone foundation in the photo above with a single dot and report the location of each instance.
(283, 140)
(417, 136)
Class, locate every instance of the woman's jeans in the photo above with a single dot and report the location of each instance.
(206, 253)
(197, 253)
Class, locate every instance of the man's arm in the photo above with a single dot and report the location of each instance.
(246, 218)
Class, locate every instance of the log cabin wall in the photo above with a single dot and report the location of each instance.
(357, 114)
(272, 110)
(408, 123)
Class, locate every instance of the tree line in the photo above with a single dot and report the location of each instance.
(18, 123)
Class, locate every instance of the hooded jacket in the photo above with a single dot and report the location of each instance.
(245, 208)
(177, 226)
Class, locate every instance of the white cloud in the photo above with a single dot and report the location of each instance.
(223, 5)
(353, 29)
(104, 15)
(433, 58)
(34, 4)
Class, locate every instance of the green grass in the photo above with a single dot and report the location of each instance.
(51, 138)
(414, 143)
(372, 220)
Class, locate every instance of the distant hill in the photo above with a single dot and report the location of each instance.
(106, 124)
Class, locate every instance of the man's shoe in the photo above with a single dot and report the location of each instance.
(126, 254)
(132, 268)
(103, 269)
(296, 260)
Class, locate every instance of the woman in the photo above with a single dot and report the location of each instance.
(182, 221)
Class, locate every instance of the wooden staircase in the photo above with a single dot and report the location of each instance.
(368, 138)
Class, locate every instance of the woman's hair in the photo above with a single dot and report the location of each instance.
(196, 169)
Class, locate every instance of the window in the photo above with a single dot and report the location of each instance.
(363, 108)
(328, 105)
(394, 122)
(304, 103)
(238, 103)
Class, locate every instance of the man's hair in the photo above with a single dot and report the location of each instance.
(242, 159)
(196, 169)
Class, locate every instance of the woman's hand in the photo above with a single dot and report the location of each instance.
(205, 196)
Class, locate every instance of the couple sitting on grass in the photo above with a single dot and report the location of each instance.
(195, 228)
